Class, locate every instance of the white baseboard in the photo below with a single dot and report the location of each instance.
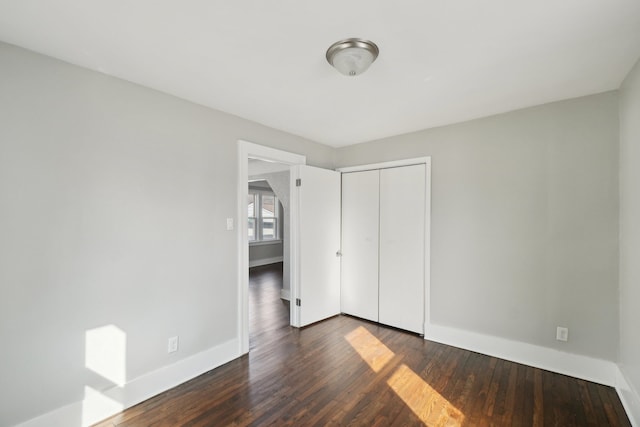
(113, 400)
(98, 405)
(575, 365)
(264, 261)
(285, 294)
(629, 396)
(70, 415)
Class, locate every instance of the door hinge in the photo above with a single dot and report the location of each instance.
(298, 182)
(298, 302)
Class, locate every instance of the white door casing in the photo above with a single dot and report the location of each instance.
(248, 150)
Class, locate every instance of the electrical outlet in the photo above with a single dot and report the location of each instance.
(562, 334)
(229, 223)
(172, 345)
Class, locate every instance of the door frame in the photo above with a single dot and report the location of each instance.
(427, 219)
(247, 150)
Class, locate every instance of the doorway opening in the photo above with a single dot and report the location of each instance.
(268, 225)
(250, 153)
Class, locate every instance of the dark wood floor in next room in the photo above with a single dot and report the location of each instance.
(345, 371)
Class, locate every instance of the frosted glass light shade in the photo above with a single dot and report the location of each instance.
(352, 56)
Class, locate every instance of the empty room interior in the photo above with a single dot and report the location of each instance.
(295, 213)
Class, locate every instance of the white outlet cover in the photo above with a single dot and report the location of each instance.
(229, 223)
(172, 345)
(562, 334)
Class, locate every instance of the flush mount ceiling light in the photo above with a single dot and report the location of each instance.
(352, 56)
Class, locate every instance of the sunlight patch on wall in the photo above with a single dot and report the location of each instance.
(96, 407)
(106, 353)
(370, 349)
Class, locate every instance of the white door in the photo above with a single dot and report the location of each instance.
(319, 244)
(359, 275)
(402, 247)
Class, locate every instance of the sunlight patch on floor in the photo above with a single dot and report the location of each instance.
(425, 402)
(370, 349)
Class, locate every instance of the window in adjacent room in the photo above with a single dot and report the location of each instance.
(263, 216)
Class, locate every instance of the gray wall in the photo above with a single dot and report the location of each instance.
(113, 207)
(630, 229)
(265, 251)
(524, 222)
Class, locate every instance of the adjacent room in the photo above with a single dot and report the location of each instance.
(285, 213)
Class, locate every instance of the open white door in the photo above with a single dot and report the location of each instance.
(317, 294)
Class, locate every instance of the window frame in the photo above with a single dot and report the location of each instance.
(258, 225)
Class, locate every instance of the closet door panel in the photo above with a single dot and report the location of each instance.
(360, 215)
(402, 217)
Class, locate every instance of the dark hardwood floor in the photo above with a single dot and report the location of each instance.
(345, 371)
(268, 314)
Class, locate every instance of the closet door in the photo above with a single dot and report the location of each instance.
(359, 275)
(402, 217)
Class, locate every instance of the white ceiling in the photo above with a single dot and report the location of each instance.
(440, 61)
(260, 167)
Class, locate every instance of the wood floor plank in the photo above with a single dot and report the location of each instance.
(350, 372)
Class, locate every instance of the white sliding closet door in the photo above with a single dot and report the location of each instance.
(402, 253)
(359, 277)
